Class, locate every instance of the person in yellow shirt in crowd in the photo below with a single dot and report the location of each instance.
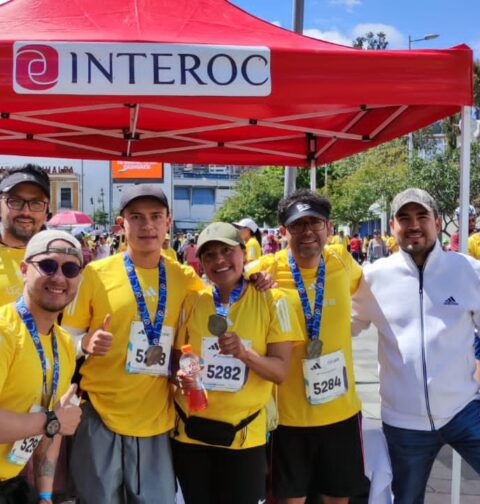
(24, 200)
(317, 447)
(35, 412)
(168, 251)
(250, 350)
(124, 319)
(252, 237)
(392, 245)
(340, 239)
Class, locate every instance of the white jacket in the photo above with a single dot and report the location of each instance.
(426, 334)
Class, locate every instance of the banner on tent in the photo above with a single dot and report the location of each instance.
(136, 171)
(82, 68)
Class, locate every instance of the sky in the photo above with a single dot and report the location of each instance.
(341, 21)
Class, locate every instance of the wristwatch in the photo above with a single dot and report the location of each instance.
(52, 426)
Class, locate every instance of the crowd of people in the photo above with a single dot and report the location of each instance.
(272, 321)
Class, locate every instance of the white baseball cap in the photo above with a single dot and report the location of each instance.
(247, 223)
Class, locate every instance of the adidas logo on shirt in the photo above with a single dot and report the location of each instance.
(316, 366)
(450, 302)
(215, 346)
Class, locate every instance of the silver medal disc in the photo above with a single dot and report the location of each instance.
(154, 355)
(314, 349)
(217, 325)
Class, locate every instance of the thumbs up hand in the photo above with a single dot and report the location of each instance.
(98, 341)
(68, 414)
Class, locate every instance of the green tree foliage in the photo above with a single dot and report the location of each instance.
(100, 217)
(257, 194)
(371, 41)
(371, 177)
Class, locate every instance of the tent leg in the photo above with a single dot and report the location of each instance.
(313, 176)
(290, 182)
(465, 141)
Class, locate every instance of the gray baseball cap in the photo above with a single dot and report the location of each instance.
(41, 243)
(413, 195)
(221, 232)
(25, 177)
(142, 191)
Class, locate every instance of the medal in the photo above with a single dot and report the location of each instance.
(217, 325)
(314, 349)
(154, 355)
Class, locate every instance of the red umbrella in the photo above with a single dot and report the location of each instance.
(69, 218)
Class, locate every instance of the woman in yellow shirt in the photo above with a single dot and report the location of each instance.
(241, 358)
(252, 237)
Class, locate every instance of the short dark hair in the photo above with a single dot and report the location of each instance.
(303, 196)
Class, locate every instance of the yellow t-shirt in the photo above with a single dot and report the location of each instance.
(261, 318)
(11, 280)
(254, 251)
(392, 245)
(474, 245)
(169, 252)
(21, 378)
(129, 404)
(342, 278)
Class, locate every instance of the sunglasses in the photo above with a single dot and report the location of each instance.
(49, 267)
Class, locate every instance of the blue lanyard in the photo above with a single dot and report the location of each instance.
(234, 297)
(27, 319)
(314, 320)
(154, 330)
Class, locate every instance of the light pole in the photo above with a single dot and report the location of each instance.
(429, 36)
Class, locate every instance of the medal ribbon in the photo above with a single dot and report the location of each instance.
(27, 319)
(152, 330)
(234, 296)
(314, 320)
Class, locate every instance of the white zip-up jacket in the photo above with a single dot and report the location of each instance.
(426, 320)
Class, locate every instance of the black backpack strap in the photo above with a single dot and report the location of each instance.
(180, 412)
(246, 421)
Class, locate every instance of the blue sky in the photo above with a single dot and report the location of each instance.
(341, 21)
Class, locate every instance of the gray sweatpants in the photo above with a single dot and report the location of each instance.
(109, 468)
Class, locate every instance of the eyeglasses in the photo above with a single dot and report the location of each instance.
(19, 204)
(299, 226)
(49, 267)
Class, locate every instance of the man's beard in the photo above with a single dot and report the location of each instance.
(18, 233)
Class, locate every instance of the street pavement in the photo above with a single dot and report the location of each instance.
(366, 377)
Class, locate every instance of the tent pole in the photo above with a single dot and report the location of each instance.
(313, 176)
(290, 171)
(465, 141)
(290, 180)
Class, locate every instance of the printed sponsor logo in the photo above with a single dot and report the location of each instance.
(85, 68)
(36, 67)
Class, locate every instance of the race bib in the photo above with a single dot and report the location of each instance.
(23, 449)
(138, 347)
(325, 377)
(222, 372)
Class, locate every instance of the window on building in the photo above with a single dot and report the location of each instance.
(203, 196)
(66, 197)
(182, 193)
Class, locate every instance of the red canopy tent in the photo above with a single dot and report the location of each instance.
(202, 81)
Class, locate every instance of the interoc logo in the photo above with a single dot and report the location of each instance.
(36, 67)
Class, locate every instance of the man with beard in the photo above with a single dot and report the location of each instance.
(24, 200)
(37, 361)
(425, 303)
(317, 447)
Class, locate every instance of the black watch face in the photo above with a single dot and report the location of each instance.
(52, 428)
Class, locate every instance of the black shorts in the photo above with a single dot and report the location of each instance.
(212, 475)
(17, 491)
(325, 460)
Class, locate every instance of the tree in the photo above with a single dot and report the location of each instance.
(371, 41)
(100, 217)
(374, 176)
(257, 194)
